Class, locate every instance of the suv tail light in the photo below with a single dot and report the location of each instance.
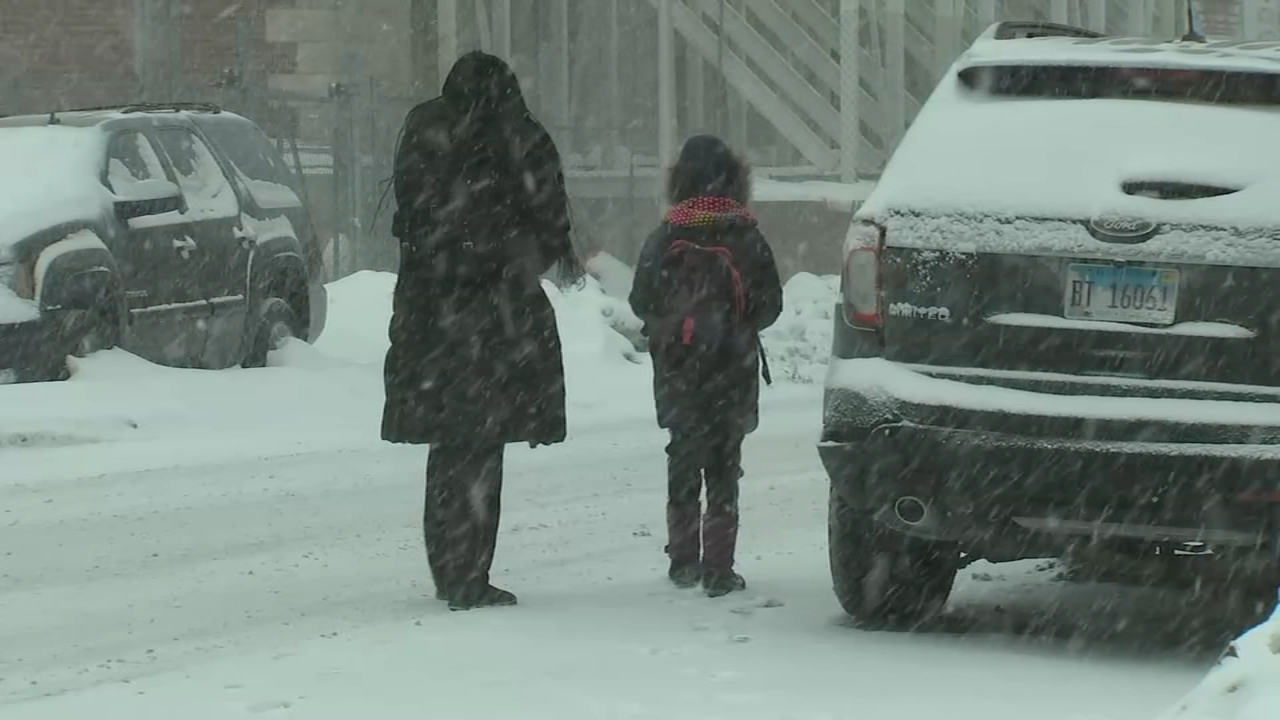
(860, 281)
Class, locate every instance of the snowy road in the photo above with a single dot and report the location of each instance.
(271, 566)
(122, 576)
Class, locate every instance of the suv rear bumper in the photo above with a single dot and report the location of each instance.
(1052, 478)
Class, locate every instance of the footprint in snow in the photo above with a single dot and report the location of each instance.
(268, 706)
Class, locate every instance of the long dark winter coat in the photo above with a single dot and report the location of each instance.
(709, 188)
(481, 214)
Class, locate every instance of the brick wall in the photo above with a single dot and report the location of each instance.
(77, 53)
(65, 52)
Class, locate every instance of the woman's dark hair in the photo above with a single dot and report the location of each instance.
(484, 86)
(707, 166)
(486, 95)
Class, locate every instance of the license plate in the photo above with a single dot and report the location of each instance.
(1119, 293)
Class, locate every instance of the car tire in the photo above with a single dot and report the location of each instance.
(274, 322)
(82, 333)
(101, 332)
(884, 579)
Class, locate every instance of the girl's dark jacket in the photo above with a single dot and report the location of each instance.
(716, 394)
(482, 214)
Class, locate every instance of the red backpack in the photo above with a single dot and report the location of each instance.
(705, 292)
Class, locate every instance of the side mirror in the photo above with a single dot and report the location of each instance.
(152, 197)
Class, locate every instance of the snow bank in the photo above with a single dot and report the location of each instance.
(332, 391)
(799, 344)
(1245, 685)
(593, 325)
(125, 413)
(359, 315)
(614, 275)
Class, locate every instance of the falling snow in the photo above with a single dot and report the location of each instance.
(240, 541)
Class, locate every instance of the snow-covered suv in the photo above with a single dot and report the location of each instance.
(175, 231)
(1061, 322)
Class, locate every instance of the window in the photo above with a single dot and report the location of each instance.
(271, 183)
(250, 151)
(208, 193)
(1082, 82)
(134, 167)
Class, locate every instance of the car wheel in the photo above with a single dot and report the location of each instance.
(101, 332)
(84, 332)
(275, 322)
(884, 579)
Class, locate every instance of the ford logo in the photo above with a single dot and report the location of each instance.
(1121, 229)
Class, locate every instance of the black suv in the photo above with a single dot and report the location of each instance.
(1060, 333)
(174, 231)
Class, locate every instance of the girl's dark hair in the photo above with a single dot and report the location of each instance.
(707, 166)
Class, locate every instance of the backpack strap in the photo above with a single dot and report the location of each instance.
(726, 255)
(764, 361)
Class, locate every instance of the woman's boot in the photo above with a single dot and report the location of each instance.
(720, 540)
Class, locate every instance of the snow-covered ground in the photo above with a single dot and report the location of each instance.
(187, 544)
(1246, 683)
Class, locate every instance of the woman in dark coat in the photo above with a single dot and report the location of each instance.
(706, 285)
(475, 360)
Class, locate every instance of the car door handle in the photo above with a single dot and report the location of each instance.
(247, 236)
(185, 246)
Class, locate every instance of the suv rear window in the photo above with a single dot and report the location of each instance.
(1077, 82)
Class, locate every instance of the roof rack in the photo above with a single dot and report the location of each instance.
(174, 107)
(150, 107)
(1018, 29)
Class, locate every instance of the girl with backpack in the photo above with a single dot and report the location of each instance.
(705, 286)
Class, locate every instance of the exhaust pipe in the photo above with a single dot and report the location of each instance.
(911, 510)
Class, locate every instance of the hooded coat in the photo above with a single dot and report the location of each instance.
(718, 393)
(482, 214)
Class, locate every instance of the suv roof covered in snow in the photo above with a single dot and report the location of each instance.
(1067, 128)
(90, 117)
(1066, 47)
(207, 116)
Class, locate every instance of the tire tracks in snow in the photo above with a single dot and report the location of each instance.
(124, 574)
